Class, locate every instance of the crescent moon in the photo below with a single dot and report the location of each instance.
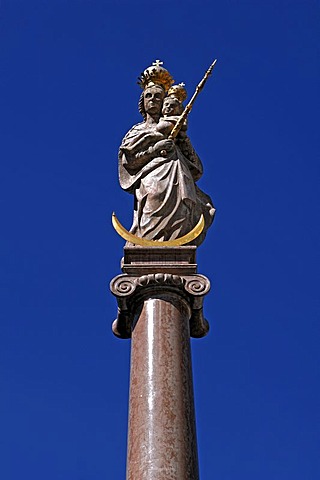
(177, 242)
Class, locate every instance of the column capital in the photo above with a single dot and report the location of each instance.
(131, 290)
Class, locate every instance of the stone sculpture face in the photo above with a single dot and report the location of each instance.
(171, 106)
(153, 98)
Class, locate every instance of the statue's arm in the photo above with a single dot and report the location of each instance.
(138, 150)
(134, 161)
(139, 143)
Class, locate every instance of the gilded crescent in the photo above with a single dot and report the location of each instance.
(177, 242)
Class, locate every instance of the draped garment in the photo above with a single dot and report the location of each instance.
(168, 203)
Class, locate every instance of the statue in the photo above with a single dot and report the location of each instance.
(161, 171)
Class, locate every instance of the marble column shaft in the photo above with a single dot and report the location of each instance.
(159, 311)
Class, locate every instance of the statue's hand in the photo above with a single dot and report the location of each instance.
(164, 147)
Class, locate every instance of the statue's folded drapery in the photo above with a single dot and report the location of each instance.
(168, 203)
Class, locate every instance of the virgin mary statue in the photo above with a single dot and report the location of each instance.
(161, 173)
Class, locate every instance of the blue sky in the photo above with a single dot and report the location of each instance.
(68, 95)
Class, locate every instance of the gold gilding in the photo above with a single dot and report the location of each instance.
(156, 74)
(188, 108)
(178, 91)
(144, 242)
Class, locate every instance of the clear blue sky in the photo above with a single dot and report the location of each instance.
(68, 95)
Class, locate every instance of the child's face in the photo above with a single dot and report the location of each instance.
(171, 106)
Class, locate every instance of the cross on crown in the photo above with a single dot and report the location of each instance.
(157, 63)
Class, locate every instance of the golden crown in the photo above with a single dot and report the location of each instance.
(155, 75)
(178, 91)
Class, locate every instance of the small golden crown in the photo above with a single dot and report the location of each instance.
(178, 91)
(155, 75)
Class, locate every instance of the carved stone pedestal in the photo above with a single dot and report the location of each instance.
(160, 298)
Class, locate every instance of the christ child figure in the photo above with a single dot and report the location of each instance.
(172, 108)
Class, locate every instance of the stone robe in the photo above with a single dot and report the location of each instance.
(168, 204)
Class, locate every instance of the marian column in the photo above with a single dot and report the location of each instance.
(160, 294)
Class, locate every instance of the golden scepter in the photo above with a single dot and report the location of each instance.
(176, 129)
